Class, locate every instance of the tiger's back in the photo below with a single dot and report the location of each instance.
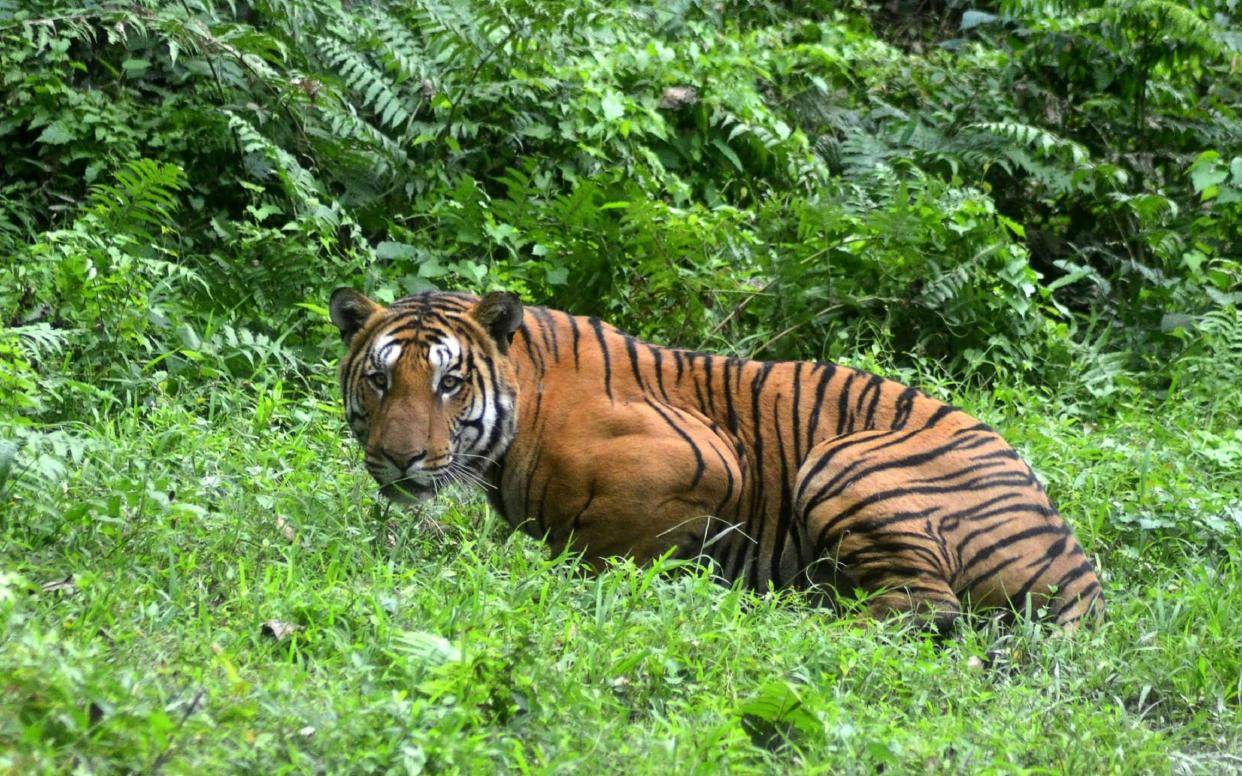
(777, 472)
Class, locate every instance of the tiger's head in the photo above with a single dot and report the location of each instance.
(428, 386)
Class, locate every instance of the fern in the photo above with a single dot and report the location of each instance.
(366, 82)
(38, 341)
(298, 183)
(45, 457)
(142, 195)
(400, 53)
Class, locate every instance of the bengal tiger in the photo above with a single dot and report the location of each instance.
(777, 473)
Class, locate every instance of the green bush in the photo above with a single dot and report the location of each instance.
(1001, 191)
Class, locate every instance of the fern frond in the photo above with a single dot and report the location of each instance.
(38, 341)
(400, 53)
(143, 193)
(365, 81)
(299, 184)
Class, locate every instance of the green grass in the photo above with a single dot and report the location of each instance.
(190, 521)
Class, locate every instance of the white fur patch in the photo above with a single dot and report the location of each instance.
(442, 356)
(386, 351)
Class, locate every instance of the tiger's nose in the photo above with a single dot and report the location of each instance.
(408, 463)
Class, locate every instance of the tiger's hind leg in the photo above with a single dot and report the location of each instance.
(898, 572)
(935, 518)
(870, 537)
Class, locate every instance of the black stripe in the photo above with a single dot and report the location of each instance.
(859, 469)
(730, 484)
(844, 422)
(963, 471)
(872, 387)
(530, 481)
(889, 553)
(905, 405)
(657, 355)
(700, 466)
(951, 521)
(1054, 551)
(707, 385)
(871, 577)
(698, 392)
(1008, 541)
(847, 441)
(758, 495)
(1008, 453)
(968, 590)
(542, 509)
(727, 392)
(499, 427)
(547, 328)
(1033, 579)
(531, 349)
(603, 347)
(576, 522)
(631, 348)
(939, 415)
(812, 426)
(1008, 511)
(795, 414)
(573, 325)
(784, 512)
(880, 497)
(1073, 575)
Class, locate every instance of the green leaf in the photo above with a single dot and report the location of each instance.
(774, 710)
(728, 153)
(972, 19)
(135, 67)
(432, 268)
(428, 647)
(1203, 177)
(395, 250)
(613, 106)
(56, 133)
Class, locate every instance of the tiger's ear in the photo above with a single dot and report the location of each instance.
(500, 312)
(350, 311)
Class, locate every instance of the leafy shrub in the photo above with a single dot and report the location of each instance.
(774, 180)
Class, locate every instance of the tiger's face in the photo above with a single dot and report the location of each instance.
(428, 387)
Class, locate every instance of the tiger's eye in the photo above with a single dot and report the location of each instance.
(379, 380)
(449, 383)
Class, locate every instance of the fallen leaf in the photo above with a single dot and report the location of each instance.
(678, 97)
(63, 586)
(279, 629)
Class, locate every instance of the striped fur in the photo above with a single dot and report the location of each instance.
(786, 473)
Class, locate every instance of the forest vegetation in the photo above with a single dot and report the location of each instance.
(1032, 209)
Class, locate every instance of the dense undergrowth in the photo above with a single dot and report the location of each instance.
(1033, 209)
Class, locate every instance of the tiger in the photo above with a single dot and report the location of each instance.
(777, 474)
